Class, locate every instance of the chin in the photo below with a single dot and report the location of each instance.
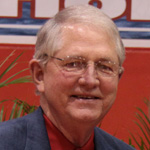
(88, 117)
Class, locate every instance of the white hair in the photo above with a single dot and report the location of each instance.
(49, 38)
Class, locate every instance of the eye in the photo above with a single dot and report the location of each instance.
(71, 64)
(105, 67)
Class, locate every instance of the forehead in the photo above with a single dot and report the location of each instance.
(82, 32)
(87, 41)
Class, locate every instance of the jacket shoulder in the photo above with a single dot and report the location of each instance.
(28, 133)
(105, 141)
(11, 132)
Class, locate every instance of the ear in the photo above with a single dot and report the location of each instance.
(37, 72)
(121, 73)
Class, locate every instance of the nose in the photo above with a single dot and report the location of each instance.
(89, 78)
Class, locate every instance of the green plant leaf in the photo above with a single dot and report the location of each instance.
(19, 108)
(1, 114)
(5, 60)
(19, 111)
(143, 145)
(13, 63)
(26, 107)
(144, 123)
(143, 132)
(130, 142)
(24, 79)
(2, 101)
(20, 80)
(146, 117)
(135, 140)
(8, 81)
(12, 112)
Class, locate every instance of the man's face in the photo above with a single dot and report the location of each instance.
(85, 97)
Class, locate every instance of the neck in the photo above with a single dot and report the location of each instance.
(78, 135)
(76, 132)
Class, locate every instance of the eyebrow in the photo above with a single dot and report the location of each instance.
(106, 59)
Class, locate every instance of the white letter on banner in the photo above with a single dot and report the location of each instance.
(46, 8)
(113, 8)
(8, 8)
(75, 2)
(140, 10)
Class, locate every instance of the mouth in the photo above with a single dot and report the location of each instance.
(82, 97)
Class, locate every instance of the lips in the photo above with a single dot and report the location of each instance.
(84, 97)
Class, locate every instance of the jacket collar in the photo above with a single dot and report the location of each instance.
(37, 138)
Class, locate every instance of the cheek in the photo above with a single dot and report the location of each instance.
(109, 90)
(59, 82)
(109, 86)
(57, 91)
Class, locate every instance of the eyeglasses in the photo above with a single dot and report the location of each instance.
(79, 65)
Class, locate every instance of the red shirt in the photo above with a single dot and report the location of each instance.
(59, 142)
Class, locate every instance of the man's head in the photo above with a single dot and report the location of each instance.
(77, 65)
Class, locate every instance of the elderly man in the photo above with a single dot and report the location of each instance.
(76, 69)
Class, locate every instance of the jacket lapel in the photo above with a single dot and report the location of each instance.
(37, 138)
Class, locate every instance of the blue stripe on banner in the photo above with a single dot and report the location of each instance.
(134, 35)
(13, 31)
(122, 22)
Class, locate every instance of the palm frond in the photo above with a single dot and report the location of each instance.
(143, 132)
(143, 124)
(1, 114)
(130, 142)
(19, 108)
(5, 60)
(11, 80)
(27, 108)
(144, 115)
(135, 140)
(12, 111)
(25, 79)
(13, 63)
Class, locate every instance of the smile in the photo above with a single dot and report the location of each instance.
(85, 97)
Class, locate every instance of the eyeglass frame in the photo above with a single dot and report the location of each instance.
(118, 71)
